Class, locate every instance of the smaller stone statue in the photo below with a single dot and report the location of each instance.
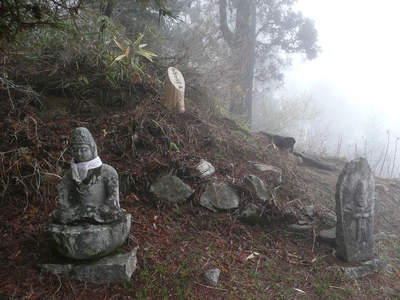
(355, 205)
(88, 193)
(89, 221)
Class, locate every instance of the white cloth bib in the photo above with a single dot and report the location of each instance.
(79, 170)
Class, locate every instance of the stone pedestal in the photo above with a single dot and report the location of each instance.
(112, 268)
(90, 241)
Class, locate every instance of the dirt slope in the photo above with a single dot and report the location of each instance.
(176, 244)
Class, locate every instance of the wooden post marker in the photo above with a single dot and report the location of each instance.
(175, 90)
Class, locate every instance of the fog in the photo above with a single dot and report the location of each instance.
(353, 80)
(355, 77)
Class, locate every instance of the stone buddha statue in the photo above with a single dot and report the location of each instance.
(88, 192)
(89, 208)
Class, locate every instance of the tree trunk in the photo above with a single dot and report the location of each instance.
(242, 43)
(175, 90)
(106, 11)
(250, 62)
(315, 161)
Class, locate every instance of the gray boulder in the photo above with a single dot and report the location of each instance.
(258, 186)
(219, 197)
(171, 188)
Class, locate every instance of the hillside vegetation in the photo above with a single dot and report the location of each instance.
(177, 244)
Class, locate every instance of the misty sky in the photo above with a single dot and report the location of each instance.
(357, 72)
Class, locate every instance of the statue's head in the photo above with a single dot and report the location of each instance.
(83, 145)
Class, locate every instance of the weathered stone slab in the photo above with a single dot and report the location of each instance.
(355, 203)
(258, 186)
(219, 197)
(112, 268)
(89, 241)
(368, 267)
(171, 188)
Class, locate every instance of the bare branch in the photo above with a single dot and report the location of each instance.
(226, 32)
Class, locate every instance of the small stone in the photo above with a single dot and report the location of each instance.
(301, 229)
(212, 276)
(328, 236)
(381, 187)
(380, 206)
(309, 210)
(252, 215)
(381, 236)
(289, 215)
(251, 210)
(205, 168)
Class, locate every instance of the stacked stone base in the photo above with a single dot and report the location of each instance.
(91, 241)
(112, 268)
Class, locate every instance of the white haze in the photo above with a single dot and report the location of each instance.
(356, 75)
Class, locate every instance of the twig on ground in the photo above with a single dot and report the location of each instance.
(211, 287)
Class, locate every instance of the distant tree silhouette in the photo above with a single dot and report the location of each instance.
(258, 33)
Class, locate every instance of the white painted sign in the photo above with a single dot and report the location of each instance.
(176, 78)
(175, 90)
